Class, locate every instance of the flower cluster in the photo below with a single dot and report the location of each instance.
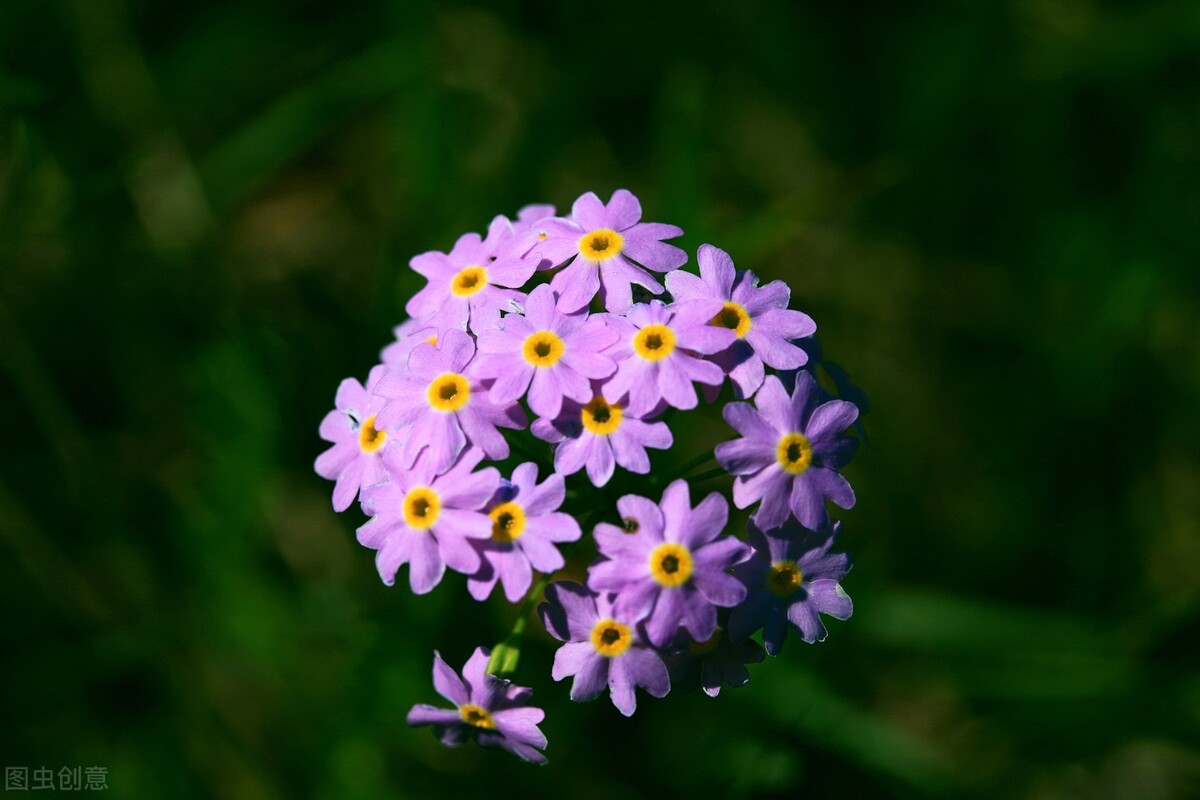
(537, 327)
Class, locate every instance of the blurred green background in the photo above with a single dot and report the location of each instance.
(990, 209)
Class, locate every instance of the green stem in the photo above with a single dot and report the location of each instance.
(712, 473)
(507, 653)
(698, 461)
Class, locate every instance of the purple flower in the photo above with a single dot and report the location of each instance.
(790, 453)
(712, 663)
(525, 527)
(652, 359)
(792, 577)
(443, 406)
(489, 709)
(834, 379)
(428, 521)
(551, 354)
(670, 572)
(465, 286)
(600, 435)
(602, 648)
(605, 242)
(358, 442)
(408, 334)
(758, 315)
(529, 220)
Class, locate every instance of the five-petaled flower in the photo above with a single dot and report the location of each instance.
(609, 249)
(492, 711)
(790, 453)
(672, 571)
(792, 578)
(602, 648)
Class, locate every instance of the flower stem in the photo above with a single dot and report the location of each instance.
(507, 653)
(712, 473)
(698, 461)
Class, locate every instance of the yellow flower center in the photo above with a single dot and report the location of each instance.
(794, 453)
(611, 638)
(432, 340)
(654, 342)
(508, 522)
(600, 417)
(671, 564)
(468, 281)
(601, 244)
(543, 349)
(370, 438)
(478, 716)
(422, 507)
(783, 578)
(449, 392)
(734, 317)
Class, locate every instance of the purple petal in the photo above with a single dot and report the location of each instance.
(706, 522)
(720, 589)
(646, 513)
(830, 419)
(425, 565)
(775, 406)
(832, 485)
(577, 284)
(539, 499)
(347, 485)
(647, 670)
(589, 212)
(570, 611)
(555, 527)
(545, 393)
(458, 553)
(804, 617)
(475, 675)
(572, 454)
(512, 378)
(521, 724)
(744, 456)
(775, 351)
(482, 431)
(442, 437)
(747, 421)
(685, 286)
(699, 617)
(516, 575)
(828, 597)
(676, 508)
(643, 245)
(468, 490)
(623, 210)
(600, 465)
(716, 269)
(669, 612)
(615, 543)
(464, 523)
(422, 714)
(446, 681)
(541, 553)
(763, 299)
